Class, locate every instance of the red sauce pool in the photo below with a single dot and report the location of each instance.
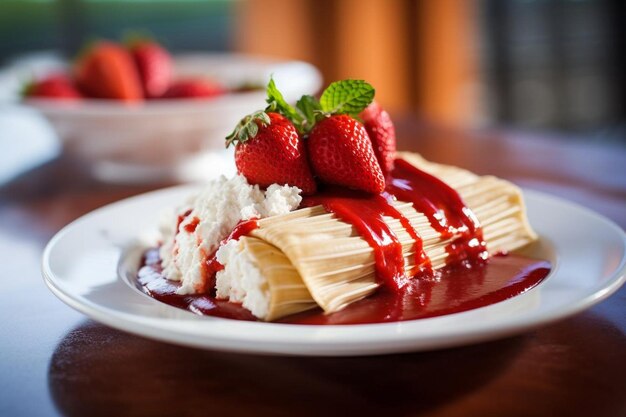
(450, 290)
(153, 283)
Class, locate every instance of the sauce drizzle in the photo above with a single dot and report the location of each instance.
(443, 207)
(211, 265)
(365, 213)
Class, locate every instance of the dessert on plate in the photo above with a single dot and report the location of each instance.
(325, 223)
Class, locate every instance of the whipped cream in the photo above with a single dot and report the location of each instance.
(208, 219)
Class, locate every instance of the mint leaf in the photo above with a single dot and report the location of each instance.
(278, 104)
(310, 108)
(347, 97)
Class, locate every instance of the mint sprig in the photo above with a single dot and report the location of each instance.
(341, 97)
(347, 97)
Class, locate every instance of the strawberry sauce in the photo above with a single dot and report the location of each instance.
(212, 266)
(365, 213)
(153, 283)
(440, 203)
(443, 207)
(470, 279)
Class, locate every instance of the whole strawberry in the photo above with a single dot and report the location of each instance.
(56, 86)
(341, 153)
(106, 70)
(194, 88)
(270, 151)
(382, 133)
(154, 64)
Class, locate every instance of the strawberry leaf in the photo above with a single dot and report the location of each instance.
(276, 103)
(247, 128)
(347, 97)
(252, 129)
(310, 108)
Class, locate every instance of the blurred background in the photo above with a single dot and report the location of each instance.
(543, 64)
(553, 66)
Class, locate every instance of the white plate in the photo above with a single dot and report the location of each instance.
(91, 265)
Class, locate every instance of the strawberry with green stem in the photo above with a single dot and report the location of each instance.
(339, 147)
(269, 149)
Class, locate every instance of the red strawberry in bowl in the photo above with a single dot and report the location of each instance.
(341, 153)
(57, 86)
(194, 88)
(154, 64)
(382, 133)
(269, 150)
(106, 70)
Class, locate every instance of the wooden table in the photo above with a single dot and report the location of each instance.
(56, 361)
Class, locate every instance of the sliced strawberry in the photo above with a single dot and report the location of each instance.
(155, 67)
(382, 133)
(107, 71)
(270, 151)
(195, 88)
(57, 86)
(341, 153)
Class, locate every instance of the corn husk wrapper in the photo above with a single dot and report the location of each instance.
(310, 258)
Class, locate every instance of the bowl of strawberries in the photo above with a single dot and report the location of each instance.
(134, 112)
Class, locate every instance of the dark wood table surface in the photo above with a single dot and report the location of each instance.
(54, 360)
